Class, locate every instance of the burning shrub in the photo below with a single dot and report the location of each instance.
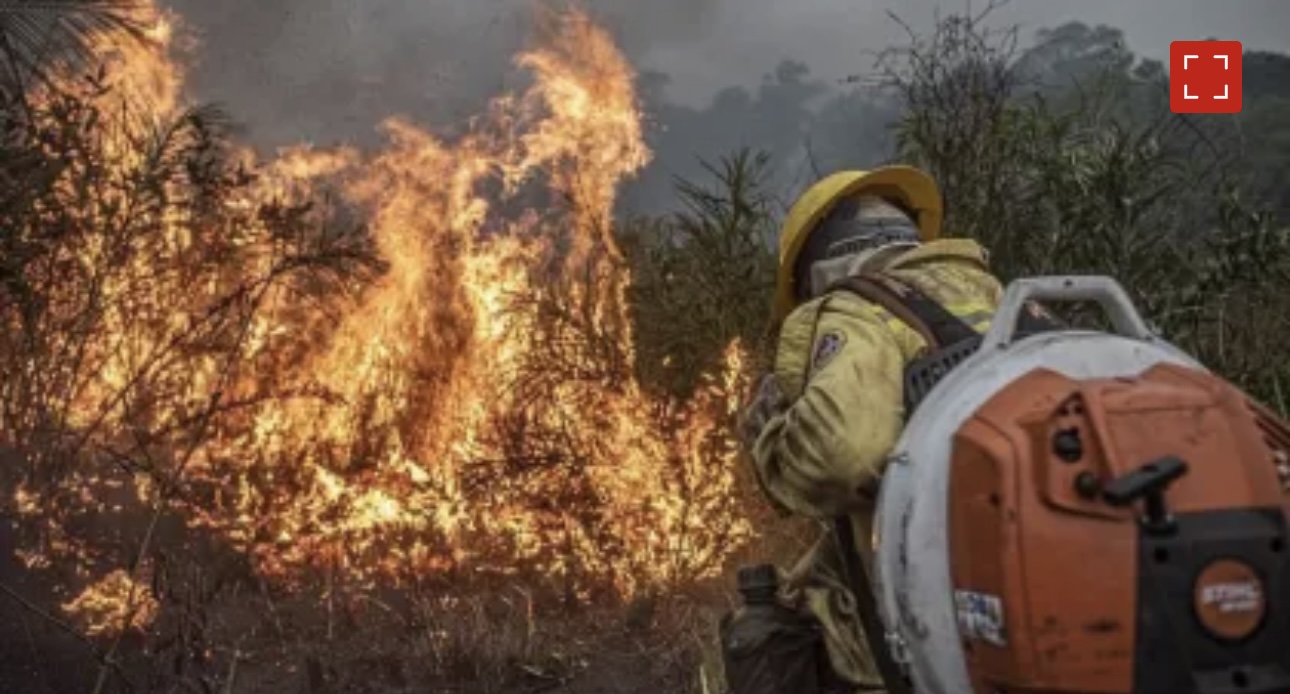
(443, 390)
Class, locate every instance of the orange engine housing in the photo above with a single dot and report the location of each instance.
(1086, 595)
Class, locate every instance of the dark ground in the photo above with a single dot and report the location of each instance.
(393, 643)
(224, 630)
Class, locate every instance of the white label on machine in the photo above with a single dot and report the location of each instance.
(1233, 597)
(980, 617)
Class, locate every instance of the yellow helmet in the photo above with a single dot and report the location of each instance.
(904, 186)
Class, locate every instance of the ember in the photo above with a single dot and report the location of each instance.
(449, 388)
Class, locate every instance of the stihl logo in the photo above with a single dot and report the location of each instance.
(1233, 597)
(1205, 76)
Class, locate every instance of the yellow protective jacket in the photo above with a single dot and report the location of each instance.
(840, 363)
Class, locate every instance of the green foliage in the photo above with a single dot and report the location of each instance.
(703, 276)
(1097, 177)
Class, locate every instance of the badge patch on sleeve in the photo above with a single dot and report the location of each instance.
(826, 348)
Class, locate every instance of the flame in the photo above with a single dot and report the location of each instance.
(469, 406)
(114, 604)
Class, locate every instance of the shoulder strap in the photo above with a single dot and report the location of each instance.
(893, 676)
(933, 322)
(949, 340)
(939, 328)
(1037, 319)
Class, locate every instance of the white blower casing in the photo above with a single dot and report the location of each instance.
(912, 565)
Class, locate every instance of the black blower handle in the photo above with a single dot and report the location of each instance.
(1149, 483)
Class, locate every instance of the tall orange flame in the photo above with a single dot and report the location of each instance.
(472, 407)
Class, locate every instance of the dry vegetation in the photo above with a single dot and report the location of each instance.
(1097, 176)
(421, 420)
(342, 420)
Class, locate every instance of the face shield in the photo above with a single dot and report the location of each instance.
(855, 227)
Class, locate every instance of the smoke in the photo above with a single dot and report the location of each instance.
(837, 38)
(329, 70)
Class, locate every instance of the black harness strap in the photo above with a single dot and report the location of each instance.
(949, 340)
(938, 327)
(893, 677)
(1037, 319)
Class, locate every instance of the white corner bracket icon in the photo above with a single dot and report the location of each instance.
(1187, 59)
(1222, 57)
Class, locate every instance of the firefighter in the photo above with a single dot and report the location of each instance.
(823, 421)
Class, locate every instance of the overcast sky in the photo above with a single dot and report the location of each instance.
(325, 69)
(832, 36)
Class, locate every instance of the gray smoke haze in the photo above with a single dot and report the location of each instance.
(834, 37)
(326, 70)
(717, 75)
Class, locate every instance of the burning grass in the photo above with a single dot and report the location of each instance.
(345, 373)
